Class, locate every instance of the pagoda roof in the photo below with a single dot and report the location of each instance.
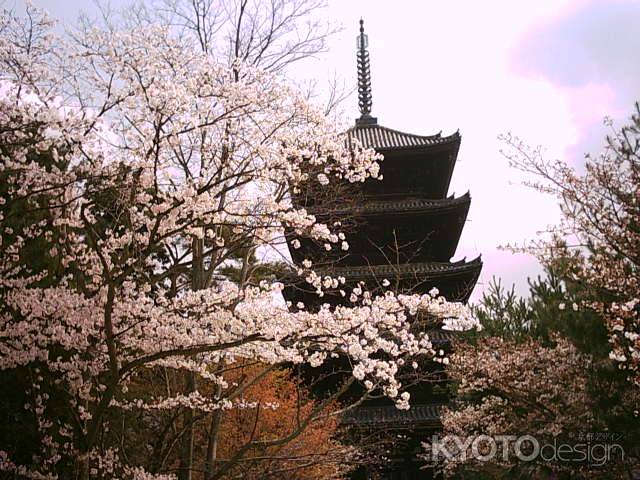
(455, 281)
(425, 269)
(373, 206)
(438, 336)
(411, 205)
(389, 415)
(383, 138)
(411, 230)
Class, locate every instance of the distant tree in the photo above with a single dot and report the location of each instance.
(563, 361)
(508, 388)
(540, 366)
(597, 243)
(266, 436)
(282, 403)
(553, 306)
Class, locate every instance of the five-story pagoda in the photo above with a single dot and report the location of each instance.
(404, 232)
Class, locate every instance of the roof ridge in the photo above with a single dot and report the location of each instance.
(411, 203)
(432, 136)
(417, 199)
(402, 204)
(413, 268)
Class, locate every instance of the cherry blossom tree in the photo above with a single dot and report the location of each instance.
(526, 388)
(540, 367)
(271, 35)
(135, 170)
(563, 362)
(597, 243)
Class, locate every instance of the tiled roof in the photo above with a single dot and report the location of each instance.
(383, 138)
(441, 337)
(410, 204)
(407, 269)
(390, 415)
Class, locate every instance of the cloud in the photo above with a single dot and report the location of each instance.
(598, 43)
(591, 52)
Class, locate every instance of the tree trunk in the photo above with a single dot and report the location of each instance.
(212, 445)
(188, 439)
(186, 454)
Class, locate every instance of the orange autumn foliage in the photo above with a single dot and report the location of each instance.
(279, 406)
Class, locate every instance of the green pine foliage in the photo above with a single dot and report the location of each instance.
(554, 305)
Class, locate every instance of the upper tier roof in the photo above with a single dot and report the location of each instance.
(411, 204)
(412, 230)
(383, 138)
(411, 270)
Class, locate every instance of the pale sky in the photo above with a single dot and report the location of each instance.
(546, 70)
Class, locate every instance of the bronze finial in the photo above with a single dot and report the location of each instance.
(364, 79)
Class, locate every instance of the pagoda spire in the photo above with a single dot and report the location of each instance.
(364, 80)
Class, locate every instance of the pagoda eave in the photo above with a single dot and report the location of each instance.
(425, 415)
(455, 281)
(399, 206)
(424, 231)
(409, 270)
(384, 139)
(415, 171)
(414, 206)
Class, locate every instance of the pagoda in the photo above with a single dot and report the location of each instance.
(404, 231)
